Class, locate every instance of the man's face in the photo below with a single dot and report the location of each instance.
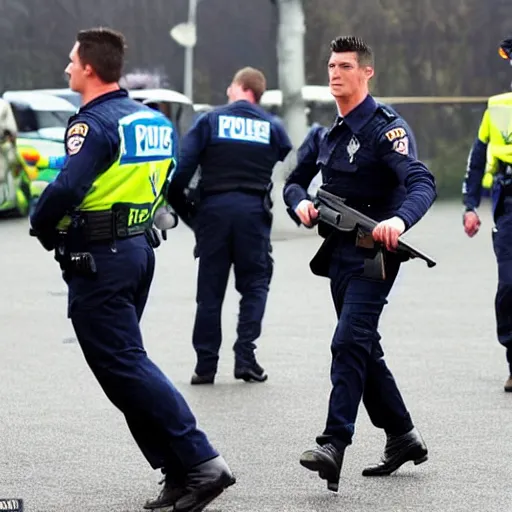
(346, 76)
(77, 74)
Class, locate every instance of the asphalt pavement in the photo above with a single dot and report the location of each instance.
(65, 448)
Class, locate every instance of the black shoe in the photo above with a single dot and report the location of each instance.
(208, 378)
(168, 496)
(508, 384)
(251, 373)
(203, 484)
(327, 460)
(398, 451)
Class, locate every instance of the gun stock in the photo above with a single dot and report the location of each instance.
(333, 211)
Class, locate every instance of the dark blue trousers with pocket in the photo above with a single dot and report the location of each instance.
(358, 369)
(231, 229)
(105, 311)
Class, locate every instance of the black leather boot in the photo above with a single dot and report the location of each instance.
(398, 451)
(168, 496)
(327, 461)
(252, 373)
(203, 484)
(196, 379)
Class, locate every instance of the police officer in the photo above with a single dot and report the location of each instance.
(236, 147)
(97, 214)
(366, 158)
(491, 155)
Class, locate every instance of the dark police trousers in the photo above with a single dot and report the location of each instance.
(502, 243)
(105, 311)
(231, 228)
(358, 369)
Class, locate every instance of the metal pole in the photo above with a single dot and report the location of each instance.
(188, 86)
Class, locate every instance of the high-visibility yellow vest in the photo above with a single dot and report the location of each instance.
(134, 182)
(496, 131)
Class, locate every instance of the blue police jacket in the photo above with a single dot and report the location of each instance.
(369, 158)
(236, 147)
(92, 146)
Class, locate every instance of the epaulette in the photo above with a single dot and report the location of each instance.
(386, 112)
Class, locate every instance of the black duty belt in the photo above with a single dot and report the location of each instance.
(118, 223)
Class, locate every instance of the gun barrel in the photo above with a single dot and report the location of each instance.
(415, 253)
(333, 210)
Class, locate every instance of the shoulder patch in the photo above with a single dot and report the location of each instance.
(395, 133)
(78, 129)
(401, 145)
(75, 137)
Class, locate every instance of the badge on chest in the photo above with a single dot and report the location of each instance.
(352, 147)
(342, 153)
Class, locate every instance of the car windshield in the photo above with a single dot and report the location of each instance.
(52, 119)
(45, 124)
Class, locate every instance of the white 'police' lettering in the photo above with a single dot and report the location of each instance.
(152, 140)
(245, 129)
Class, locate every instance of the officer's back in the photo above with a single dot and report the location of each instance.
(236, 147)
(129, 146)
(245, 142)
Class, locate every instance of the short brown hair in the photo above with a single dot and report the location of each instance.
(103, 49)
(353, 44)
(252, 79)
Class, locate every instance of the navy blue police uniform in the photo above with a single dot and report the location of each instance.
(369, 158)
(236, 147)
(106, 302)
(308, 150)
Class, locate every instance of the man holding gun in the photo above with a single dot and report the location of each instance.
(368, 157)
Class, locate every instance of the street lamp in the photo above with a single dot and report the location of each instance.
(185, 34)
